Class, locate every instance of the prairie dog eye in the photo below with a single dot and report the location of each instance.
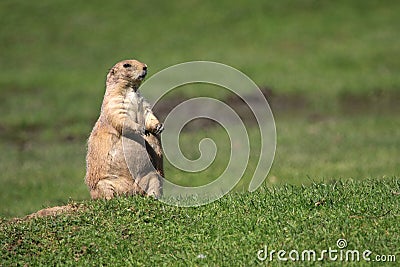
(127, 65)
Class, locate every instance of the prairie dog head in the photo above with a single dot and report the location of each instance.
(127, 74)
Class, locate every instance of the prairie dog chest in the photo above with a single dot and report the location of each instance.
(133, 104)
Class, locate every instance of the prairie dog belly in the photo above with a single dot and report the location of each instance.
(117, 162)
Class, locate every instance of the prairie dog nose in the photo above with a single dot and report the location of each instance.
(144, 72)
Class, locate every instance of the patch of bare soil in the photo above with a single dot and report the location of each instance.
(377, 101)
(53, 211)
(277, 102)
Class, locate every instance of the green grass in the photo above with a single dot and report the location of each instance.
(55, 55)
(307, 45)
(41, 174)
(230, 231)
(329, 147)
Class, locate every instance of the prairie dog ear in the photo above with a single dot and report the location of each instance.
(110, 75)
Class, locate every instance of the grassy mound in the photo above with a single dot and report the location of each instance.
(231, 231)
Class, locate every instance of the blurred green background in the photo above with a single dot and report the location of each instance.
(333, 67)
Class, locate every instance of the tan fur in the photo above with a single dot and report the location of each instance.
(127, 123)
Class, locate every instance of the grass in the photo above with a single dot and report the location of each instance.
(334, 72)
(330, 148)
(303, 46)
(54, 66)
(322, 148)
(230, 231)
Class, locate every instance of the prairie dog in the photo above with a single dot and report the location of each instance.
(124, 150)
